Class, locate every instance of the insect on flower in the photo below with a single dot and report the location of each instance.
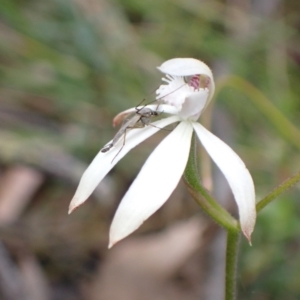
(141, 118)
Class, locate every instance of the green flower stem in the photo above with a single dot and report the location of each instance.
(202, 196)
(277, 191)
(219, 215)
(206, 202)
(231, 264)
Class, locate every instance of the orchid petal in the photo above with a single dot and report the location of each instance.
(161, 108)
(237, 175)
(163, 169)
(104, 162)
(185, 67)
(195, 102)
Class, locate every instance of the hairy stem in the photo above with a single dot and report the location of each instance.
(231, 264)
(203, 197)
(287, 184)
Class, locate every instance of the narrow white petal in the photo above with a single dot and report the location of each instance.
(154, 184)
(162, 108)
(236, 174)
(104, 162)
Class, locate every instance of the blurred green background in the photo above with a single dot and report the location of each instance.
(68, 66)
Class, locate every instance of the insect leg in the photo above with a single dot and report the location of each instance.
(124, 140)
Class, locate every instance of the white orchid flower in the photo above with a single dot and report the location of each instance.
(187, 89)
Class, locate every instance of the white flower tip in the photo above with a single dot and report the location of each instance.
(248, 237)
(114, 239)
(72, 207)
(248, 227)
(111, 244)
(119, 231)
(75, 202)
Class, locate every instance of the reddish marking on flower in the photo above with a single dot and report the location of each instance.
(195, 82)
(207, 82)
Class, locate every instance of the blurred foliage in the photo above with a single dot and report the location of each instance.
(68, 66)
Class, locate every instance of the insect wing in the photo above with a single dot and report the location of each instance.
(128, 123)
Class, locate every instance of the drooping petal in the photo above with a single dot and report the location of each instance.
(237, 175)
(154, 184)
(104, 162)
(161, 108)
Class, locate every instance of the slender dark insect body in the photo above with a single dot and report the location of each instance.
(140, 119)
